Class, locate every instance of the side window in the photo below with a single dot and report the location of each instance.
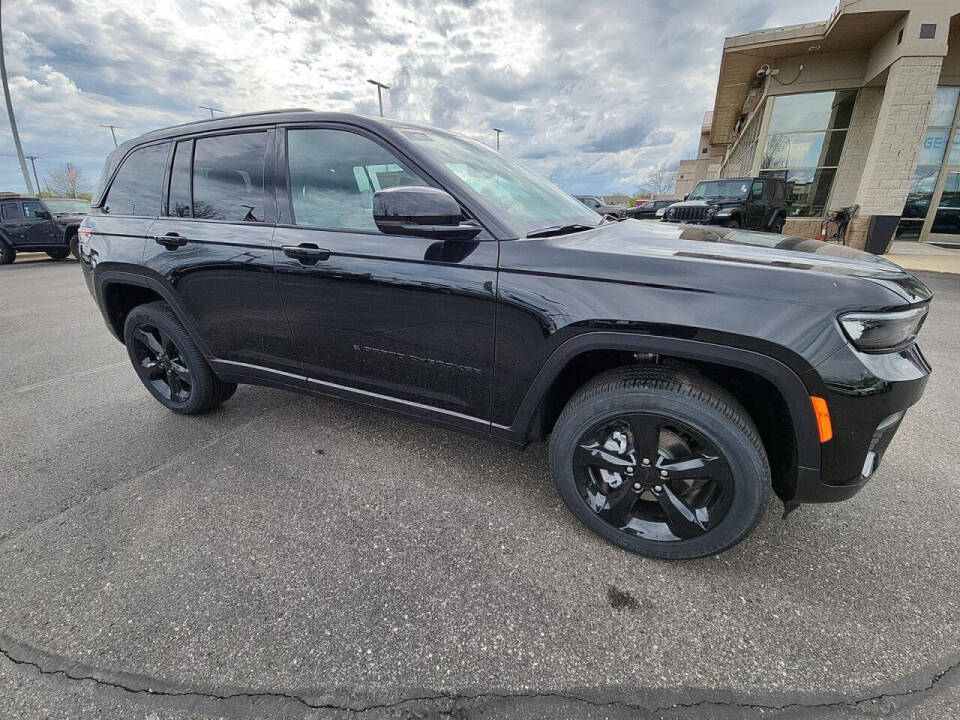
(136, 190)
(9, 211)
(757, 190)
(334, 174)
(178, 202)
(228, 177)
(30, 210)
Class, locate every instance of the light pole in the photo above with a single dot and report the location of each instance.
(13, 122)
(380, 88)
(113, 129)
(498, 131)
(211, 109)
(33, 164)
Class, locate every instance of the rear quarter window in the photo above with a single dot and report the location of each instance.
(137, 187)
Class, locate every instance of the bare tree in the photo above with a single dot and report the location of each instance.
(66, 180)
(661, 180)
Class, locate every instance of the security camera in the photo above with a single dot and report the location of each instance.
(763, 71)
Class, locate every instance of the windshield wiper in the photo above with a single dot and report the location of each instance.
(558, 230)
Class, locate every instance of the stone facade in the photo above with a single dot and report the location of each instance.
(860, 134)
(892, 158)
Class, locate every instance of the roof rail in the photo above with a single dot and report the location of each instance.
(242, 115)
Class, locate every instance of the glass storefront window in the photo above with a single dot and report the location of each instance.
(923, 189)
(804, 144)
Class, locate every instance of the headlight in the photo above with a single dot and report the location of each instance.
(883, 331)
(725, 212)
(711, 210)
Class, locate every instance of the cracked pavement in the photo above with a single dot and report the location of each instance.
(287, 556)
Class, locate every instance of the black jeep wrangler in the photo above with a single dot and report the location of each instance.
(750, 203)
(49, 225)
(680, 373)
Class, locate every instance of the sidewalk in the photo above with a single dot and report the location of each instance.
(922, 256)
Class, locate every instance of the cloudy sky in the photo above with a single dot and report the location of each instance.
(590, 93)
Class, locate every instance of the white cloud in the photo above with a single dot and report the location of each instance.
(591, 94)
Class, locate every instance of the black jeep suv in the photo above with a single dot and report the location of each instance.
(680, 373)
(49, 225)
(751, 203)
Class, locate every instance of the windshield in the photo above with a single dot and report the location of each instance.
(529, 201)
(67, 205)
(720, 188)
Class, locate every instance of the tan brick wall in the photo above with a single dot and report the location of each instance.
(892, 158)
(802, 227)
(863, 125)
(856, 236)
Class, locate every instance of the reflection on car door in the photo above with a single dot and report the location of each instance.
(403, 321)
(214, 245)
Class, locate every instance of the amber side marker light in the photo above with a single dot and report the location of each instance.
(822, 414)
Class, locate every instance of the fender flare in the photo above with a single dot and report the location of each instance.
(107, 278)
(69, 232)
(781, 376)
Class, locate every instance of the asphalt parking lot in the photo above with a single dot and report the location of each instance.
(288, 556)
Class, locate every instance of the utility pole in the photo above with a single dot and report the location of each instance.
(33, 164)
(498, 131)
(113, 131)
(380, 88)
(13, 122)
(211, 109)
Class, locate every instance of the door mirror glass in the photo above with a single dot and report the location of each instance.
(420, 211)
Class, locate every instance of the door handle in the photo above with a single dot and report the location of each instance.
(305, 252)
(170, 240)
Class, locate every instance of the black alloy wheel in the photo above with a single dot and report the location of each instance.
(159, 362)
(661, 461)
(653, 477)
(169, 363)
(75, 246)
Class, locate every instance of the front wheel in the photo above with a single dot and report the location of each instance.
(169, 363)
(7, 253)
(661, 462)
(732, 224)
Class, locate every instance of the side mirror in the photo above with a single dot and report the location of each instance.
(42, 214)
(422, 212)
(686, 196)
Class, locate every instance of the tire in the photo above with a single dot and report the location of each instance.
(58, 254)
(169, 363)
(778, 228)
(75, 246)
(7, 253)
(732, 224)
(678, 404)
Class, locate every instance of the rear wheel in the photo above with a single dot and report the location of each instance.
(660, 462)
(58, 254)
(169, 363)
(75, 246)
(7, 253)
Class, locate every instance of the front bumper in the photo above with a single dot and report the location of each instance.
(868, 397)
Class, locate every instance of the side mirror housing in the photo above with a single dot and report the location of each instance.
(686, 196)
(422, 212)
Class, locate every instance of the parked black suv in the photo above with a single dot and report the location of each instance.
(49, 225)
(751, 203)
(679, 372)
(599, 205)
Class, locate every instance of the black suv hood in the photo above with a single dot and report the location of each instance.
(625, 250)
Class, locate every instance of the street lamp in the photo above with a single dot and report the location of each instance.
(380, 88)
(13, 122)
(33, 164)
(498, 131)
(211, 109)
(113, 129)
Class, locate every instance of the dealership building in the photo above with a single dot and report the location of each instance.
(860, 109)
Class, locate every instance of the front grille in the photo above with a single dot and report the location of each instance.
(688, 214)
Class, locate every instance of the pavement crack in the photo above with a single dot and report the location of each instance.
(51, 666)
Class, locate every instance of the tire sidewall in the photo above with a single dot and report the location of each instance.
(747, 466)
(7, 253)
(185, 349)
